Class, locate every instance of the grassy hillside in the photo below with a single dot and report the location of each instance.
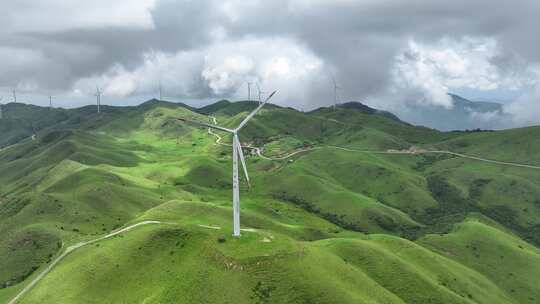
(506, 260)
(516, 145)
(20, 121)
(327, 225)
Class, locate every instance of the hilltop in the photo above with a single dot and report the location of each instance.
(349, 218)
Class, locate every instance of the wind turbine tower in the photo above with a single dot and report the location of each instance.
(50, 102)
(249, 90)
(237, 153)
(14, 95)
(336, 88)
(259, 92)
(98, 99)
(160, 91)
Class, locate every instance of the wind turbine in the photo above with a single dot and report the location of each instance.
(160, 91)
(260, 92)
(50, 101)
(98, 98)
(237, 152)
(14, 96)
(336, 88)
(249, 90)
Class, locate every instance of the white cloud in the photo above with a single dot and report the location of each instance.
(177, 72)
(122, 84)
(226, 73)
(209, 49)
(275, 63)
(526, 109)
(434, 70)
(220, 70)
(489, 120)
(37, 16)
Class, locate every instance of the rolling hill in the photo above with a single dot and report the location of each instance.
(351, 218)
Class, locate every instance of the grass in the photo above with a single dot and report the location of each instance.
(326, 226)
(512, 264)
(515, 145)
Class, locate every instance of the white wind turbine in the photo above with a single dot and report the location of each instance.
(249, 90)
(336, 88)
(98, 99)
(237, 152)
(160, 91)
(259, 92)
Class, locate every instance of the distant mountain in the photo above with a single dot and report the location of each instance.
(163, 103)
(485, 106)
(464, 114)
(360, 107)
(368, 110)
(211, 108)
(232, 108)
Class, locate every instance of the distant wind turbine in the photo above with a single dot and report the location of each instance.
(336, 88)
(50, 101)
(237, 152)
(249, 90)
(259, 92)
(14, 95)
(160, 91)
(98, 99)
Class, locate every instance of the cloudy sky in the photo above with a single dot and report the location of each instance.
(386, 53)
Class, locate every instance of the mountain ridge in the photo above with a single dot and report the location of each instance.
(324, 225)
(463, 114)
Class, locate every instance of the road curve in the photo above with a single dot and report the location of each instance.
(10, 146)
(259, 153)
(69, 250)
(486, 160)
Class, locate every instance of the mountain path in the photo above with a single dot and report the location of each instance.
(69, 250)
(13, 145)
(259, 153)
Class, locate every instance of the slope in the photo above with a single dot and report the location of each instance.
(323, 226)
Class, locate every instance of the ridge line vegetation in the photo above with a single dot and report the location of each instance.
(325, 226)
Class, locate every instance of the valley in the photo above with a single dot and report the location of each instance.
(340, 208)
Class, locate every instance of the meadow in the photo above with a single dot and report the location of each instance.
(323, 226)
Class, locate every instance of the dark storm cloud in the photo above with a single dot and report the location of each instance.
(354, 36)
(361, 38)
(74, 52)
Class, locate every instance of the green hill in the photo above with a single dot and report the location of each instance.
(515, 145)
(345, 221)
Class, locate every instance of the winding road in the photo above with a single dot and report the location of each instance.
(69, 250)
(33, 137)
(259, 153)
(8, 147)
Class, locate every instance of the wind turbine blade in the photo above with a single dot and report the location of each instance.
(254, 112)
(206, 125)
(242, 159)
